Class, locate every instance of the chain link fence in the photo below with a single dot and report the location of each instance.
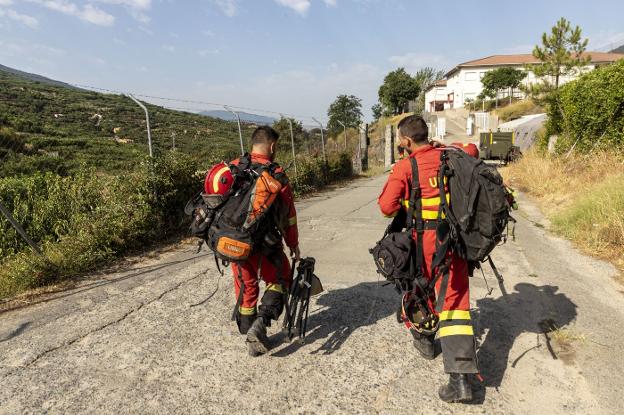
(78, 185)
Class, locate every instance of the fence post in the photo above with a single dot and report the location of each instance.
(147, 121)
(322, 139)
(21, 231)
(364, 142)
(389, 148)
(292, 143)
(240, 131)
(344, 127)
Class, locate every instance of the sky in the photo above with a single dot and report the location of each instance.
(289, 56)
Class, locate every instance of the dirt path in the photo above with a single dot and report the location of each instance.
(132, 341)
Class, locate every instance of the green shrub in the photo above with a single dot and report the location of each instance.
(590, 108)
(86, 219)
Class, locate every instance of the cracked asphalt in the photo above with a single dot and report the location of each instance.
(155, 336)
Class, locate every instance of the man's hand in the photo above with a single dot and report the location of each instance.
(295, 253)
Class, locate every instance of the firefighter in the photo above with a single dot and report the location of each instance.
(272, 267)
(455, 329)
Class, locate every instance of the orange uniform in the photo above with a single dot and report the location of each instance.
(456, 331)
(272, 267)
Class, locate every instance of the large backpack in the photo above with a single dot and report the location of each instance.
(242, 221)
(479, 209)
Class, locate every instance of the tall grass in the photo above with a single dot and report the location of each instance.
(583, 195)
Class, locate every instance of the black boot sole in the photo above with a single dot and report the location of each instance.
(256, 345)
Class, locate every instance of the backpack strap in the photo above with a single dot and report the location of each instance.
(414, 216)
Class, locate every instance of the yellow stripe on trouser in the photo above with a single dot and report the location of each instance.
(455, 315)
(463, 330)
(292, 221)
(275, 287)
(247, 311)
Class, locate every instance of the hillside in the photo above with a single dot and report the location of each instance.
(618, 50)
(34, 77)
(49, 127)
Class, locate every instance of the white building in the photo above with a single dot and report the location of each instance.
(463, 82)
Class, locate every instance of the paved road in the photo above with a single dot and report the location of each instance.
(131, 341)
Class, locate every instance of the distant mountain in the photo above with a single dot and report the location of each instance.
(618, 50)
(244, 116)
(35, 78)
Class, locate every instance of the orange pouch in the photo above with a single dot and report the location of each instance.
(233, 249)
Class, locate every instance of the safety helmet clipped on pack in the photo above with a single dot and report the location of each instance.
(470, 148)
(417, 315)
(218, 180)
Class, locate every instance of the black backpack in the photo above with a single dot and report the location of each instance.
(243, 220)
(479, 209)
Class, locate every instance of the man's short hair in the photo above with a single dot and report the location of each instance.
(414, 127)
(264, 135)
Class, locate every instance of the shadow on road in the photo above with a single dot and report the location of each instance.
(530, 309)
(16, 332)
(342, 312)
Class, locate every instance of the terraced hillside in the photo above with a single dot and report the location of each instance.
(46, 127)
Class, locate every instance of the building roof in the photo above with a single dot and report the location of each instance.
(524, 59)
(438, 83)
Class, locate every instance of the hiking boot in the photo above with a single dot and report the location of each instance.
(257, 340)
(457, 390)
(424, 345)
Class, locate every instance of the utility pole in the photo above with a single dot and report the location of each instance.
(147, 121)
(240, 131)
(322, 139)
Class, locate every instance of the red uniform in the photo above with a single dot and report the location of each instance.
(273, 268)
(456, 333)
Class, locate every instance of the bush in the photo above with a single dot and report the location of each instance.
(87, 219)
(84, 220)
(590, 108)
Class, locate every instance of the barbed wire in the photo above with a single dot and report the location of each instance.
(199, 102)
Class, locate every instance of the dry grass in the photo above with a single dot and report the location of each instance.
(518, 109)
(582, 195)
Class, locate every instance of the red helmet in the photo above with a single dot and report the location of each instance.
(469, 148)
(218, 180)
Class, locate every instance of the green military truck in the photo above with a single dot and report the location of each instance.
(498, 146)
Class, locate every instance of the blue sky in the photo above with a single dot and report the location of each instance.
(291, 56)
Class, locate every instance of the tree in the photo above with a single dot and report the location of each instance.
(346, 109)
(397, 90)
(501, 78)
(283, 128)
(425, 77)
(561, 52)
(377, 110)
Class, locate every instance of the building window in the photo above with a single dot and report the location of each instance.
(471, 76)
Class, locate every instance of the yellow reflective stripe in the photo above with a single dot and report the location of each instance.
(456, 331)
(431, 214)
(455, 315)
(429, 201)
(292, 221)
(215, 181)
(275, 287)
(247, 311)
